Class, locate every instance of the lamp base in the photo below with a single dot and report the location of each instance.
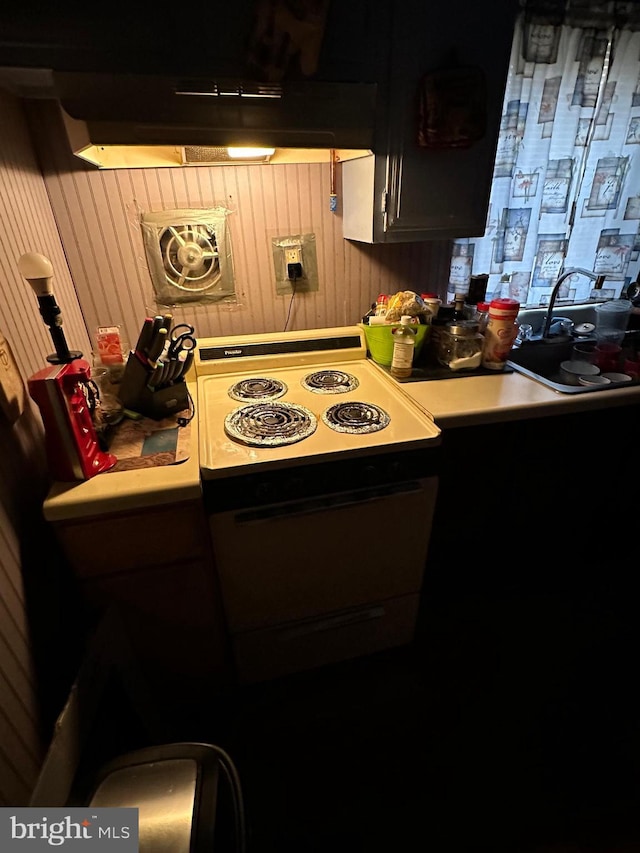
(54, 358)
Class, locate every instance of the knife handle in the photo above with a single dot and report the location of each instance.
(166, 373)
(157, 345)
(144, 339)
(186, 364)
(155, 377)
(174, 370)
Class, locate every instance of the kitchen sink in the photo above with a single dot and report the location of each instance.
(540, 359)
(585, 313)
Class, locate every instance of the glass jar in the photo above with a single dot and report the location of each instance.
(460, 345)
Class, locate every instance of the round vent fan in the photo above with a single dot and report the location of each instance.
(190, 257)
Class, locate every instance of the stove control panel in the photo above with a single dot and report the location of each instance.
(384, 471)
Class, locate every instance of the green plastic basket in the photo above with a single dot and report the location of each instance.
(380, 341)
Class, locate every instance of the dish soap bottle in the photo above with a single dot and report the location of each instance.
(403, 348)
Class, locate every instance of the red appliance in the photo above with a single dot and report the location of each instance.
(63, 391)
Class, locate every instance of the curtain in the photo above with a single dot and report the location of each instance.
(566, 181)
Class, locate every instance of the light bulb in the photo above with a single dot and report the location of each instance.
(37, 270)
(249, 153)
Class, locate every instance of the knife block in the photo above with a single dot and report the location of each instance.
(156, 403)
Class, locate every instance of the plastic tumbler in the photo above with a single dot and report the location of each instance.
(607, 356)
(632, 367)
(612, 318)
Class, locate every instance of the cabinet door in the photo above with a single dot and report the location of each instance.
(208, 39)
(444, 193)
(174, 628)
(120, 543)
(419, 193)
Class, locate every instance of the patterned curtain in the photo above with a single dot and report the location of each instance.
(566, 181)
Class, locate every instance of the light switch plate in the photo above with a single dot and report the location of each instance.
(13, 393)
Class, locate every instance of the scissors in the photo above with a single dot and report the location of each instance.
(182, 338)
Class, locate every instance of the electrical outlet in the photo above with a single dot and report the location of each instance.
(295, 263)
(293, 255)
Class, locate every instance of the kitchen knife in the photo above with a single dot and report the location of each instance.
(167, 321)
(157, 345)
(186, 364)
(155, 376)
(175, 367)
(155, 328)
(157, 324)
(146, 333)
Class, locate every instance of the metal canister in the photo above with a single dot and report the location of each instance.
(500, 333)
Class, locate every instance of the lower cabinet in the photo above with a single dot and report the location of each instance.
(536, 509)
(154, 571)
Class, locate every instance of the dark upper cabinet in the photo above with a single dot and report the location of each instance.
(407, 192)
(403, 192)
(197, 39)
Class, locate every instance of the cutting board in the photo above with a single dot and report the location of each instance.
(13, 393)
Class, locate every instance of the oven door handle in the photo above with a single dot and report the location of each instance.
(327, 503)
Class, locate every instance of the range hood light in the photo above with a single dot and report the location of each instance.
(250, 153)
(136, 121)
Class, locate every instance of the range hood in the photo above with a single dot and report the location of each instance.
(140, 120)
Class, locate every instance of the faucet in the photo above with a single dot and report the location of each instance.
(599, 281)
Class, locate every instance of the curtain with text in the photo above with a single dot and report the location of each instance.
(566, 181)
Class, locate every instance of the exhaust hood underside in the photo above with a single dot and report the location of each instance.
(124, 121)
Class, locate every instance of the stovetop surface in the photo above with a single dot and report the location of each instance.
(409, 426)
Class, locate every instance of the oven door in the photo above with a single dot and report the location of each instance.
(296, 560)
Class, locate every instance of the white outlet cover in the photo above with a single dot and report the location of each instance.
(13, 393)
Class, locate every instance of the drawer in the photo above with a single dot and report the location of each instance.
(118, 543)
(333, 637)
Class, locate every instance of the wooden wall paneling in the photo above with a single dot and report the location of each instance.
(247, 244)
(27, 223)
(20, 746)
(15, 661)
(307, 188)
(266, 186)
(312, 202)
(265, 201)
(124, 234)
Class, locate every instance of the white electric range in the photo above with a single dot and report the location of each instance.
(316, 370)
(320, 477)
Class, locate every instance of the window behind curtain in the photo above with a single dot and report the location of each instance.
(566, 182)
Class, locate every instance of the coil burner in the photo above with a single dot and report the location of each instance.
(330, 382)
(270, 424)
(258, 388)
(356, 418)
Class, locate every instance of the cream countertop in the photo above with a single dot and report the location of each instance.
(475, 400)
(129, 490)
(464, 401)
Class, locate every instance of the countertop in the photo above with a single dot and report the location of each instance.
(474, 400)
(462, 401)
(129, 490)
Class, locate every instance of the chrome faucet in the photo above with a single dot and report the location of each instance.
(599, 281)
